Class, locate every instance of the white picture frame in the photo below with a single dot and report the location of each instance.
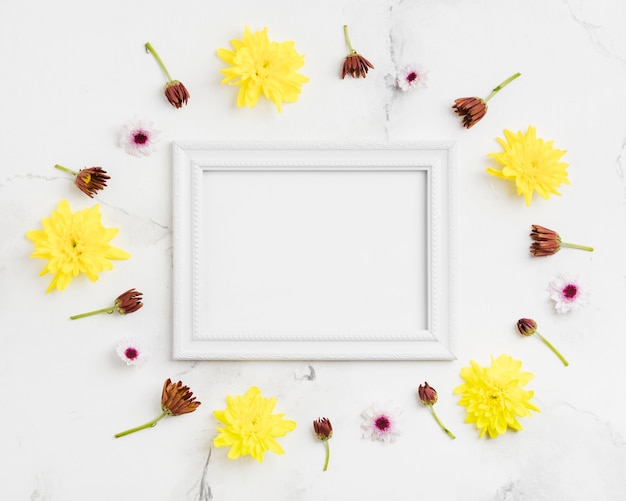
(313, 251)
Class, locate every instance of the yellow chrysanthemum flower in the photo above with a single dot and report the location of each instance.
(74, 243)
(494, 395)
(532, 163)
(258, 66)
(251, 426)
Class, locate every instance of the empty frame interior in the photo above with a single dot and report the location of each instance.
(312, 252)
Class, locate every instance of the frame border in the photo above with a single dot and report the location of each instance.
(192, 158)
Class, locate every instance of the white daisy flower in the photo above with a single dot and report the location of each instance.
(382, 423)
(412, 77)
(567, 293)
(133, 352)
(139, 137)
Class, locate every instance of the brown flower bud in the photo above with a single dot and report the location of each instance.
(472, 109)
(91, 179)
(176, 399)
(128, 302)
(427, 394)
(176, 93)
(526, 326)
(546, 242)
(323, 429)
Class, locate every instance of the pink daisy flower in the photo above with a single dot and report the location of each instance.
(567, 293)
(381, 423)
(133, 352)
(412, 77)
(139, 137)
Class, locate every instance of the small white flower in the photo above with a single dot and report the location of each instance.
(139, 137)
(381, 423)
(412, 77)
(567, 293)
(133, 352)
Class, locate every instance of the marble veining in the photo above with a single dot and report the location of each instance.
(74, 75)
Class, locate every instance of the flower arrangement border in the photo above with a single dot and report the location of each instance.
(192, 161)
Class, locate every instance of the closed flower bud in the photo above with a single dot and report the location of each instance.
(526, 326)
(176, 93)
(473, 109)
(427, 394)
(323, 429)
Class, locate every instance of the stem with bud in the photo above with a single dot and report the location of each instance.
(345, 32)
(149, 424)
(554, 350)
(108, 310)
(150, 49)
(576, 246)
(448, 432)
(65, 169)
(501, 86)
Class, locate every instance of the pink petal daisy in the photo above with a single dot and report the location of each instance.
(412, 77)
(133, 352)
(567, 293)
(139, 137)
(381, 423)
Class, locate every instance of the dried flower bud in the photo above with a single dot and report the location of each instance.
(323, 428)
(472, 109)
(324, 431)
(354, 64)
(526, 326)
(427, 394)
(91, 179)
(128, 302)
(176, 399)
(88, 180)
(547, 242)
(176, 93)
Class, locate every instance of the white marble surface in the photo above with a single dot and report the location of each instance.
(74, 72)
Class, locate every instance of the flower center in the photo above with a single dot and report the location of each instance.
(131, 353)
(570, 291)
(382, 423)
(140, 137)
(411, 77)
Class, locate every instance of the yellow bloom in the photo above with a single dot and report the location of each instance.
(251, 426)
(494, 395)
(258, 66)
(74, 243)
(532, 163)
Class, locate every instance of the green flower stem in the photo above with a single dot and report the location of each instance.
(65, 169)
(149, 424)
(345, 32)
(109, 310)
(502, 85)
(576, 246)
(450, 434)
(327, 454)
(150, 49)
(554, 350)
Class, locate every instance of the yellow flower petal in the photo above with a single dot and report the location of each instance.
(494, 396)
(250, 425)
(260, 66)
(74, 243)
(531, 162)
